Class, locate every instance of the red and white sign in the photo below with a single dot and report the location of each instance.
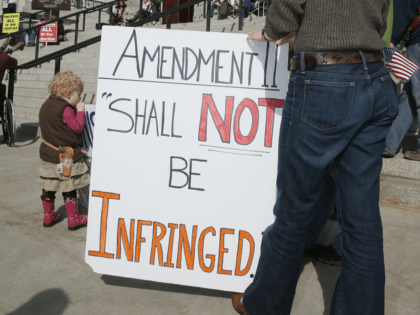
(48, 33)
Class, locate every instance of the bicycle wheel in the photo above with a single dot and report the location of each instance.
(9, 122)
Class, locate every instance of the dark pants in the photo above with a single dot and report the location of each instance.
(334, 123)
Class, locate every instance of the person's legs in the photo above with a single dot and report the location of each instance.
(50, 216)
(75, 220)
(329, 106)
(409, 103)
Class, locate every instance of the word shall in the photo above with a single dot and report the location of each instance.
(185, 246)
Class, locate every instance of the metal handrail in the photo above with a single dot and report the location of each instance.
(57, 55)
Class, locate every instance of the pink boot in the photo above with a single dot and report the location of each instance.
(50, 217)
(75, 220)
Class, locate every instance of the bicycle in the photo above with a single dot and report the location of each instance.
(7, 117)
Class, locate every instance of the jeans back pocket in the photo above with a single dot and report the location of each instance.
(391, 92)
(327, 105)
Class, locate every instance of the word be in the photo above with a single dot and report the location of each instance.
(187, 247)
(188, 175)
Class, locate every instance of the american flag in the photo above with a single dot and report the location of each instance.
(401, 66)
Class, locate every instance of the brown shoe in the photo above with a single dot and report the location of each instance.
(237, 305)
(412, 155)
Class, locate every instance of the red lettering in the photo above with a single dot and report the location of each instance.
(222, 126)
(270, 103)
(254, 112)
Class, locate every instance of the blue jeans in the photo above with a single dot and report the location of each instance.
(32, 37)
(334, 123)
(409, 105)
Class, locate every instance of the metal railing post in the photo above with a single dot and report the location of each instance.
(168, 21)
(99, 17)
(240, 26)
(84, 21)
(37, 44)
(77, 30)
(11, 87)
(110, 13)
(57, 65)
(208, 15)
(204, 10)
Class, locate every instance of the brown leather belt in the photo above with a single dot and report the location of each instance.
(333, 58)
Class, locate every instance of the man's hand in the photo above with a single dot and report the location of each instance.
(290, 39)
(256, 4)
(80, 107)
(391, 45)
(255, 35)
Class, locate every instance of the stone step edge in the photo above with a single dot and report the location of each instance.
(400, 191)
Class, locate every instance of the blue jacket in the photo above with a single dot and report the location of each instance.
(404, 12)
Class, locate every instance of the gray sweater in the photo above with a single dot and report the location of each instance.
(329, 25)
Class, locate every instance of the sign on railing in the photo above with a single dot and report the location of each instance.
(185, 160)
(48, 33)
(11, 22)
(62, 5)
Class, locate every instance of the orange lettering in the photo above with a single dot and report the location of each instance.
(139, 238)
(104, 218)
(242, 235)
(171, 244)
(156, 243)
(122, 235)
(223, 250)
(188, 251)
(200, 250)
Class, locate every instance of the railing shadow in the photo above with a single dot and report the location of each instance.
(48, 302)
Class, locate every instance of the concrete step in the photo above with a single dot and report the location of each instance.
(402, 192)
(401, 167)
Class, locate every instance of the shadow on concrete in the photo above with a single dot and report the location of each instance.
(21, 141)
(166, 287)
(327, 277)
(48, 302)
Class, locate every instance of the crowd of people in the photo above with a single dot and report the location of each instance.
(121, 13)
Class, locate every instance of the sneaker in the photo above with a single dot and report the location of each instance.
(31, 45)
(412, 155)
(387, 154)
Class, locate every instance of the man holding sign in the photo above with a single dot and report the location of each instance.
(339, 108)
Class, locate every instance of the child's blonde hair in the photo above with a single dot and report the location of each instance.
(63, 84)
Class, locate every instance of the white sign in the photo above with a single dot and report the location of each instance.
(185, 160)
(86, 143)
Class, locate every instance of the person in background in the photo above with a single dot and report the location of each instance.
(143, 13)
(6, 62)
(121, 13)
(405, 11)
(63, 168)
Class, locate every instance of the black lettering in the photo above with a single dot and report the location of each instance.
(206, 62)
(179, 170)
(146, 52)
(240, 72)
(173, 122)
(133, 36)
(180, 68)
(153, 110)
(163, 121)
(267, 51)
(275, 67)
(250, 66)
(218, 66)
(163, 61)
(137, 116)
(191, 174)
(124, 113)
(187, 77)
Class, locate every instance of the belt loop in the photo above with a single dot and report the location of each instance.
(363, 60)
(302, 62)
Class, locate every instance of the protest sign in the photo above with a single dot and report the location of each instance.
(48, 33)
(11, 22)
(185, 159)
(61, 5)
(86, 143)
